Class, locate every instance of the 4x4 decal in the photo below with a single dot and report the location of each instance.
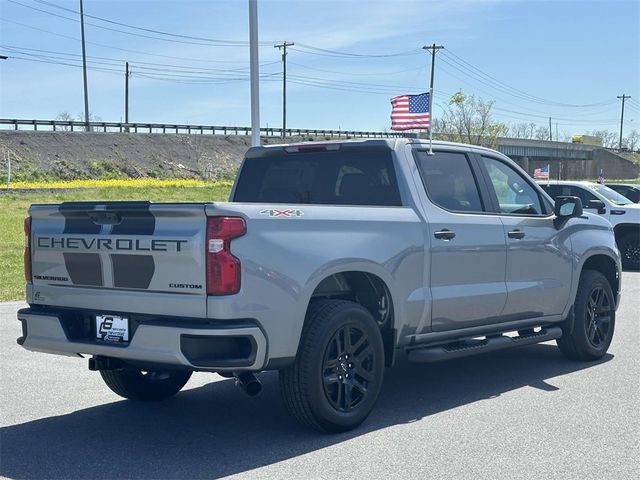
(274, 212)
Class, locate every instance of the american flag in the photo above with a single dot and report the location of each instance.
(601, 177)
(541, 173)
(410, 112)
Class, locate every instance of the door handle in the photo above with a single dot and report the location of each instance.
(516, 234)
(444, 234)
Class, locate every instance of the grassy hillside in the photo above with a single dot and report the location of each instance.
(13, 209)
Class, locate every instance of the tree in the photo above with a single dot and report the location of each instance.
(468, 120)
(632, 142)
(64, 117)
(67, 117)
(609, 139)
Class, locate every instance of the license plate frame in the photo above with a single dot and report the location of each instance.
(112, 329)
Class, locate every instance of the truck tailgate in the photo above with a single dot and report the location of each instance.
(120, 256)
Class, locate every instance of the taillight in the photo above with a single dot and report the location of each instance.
(27, 249)
(223, 269)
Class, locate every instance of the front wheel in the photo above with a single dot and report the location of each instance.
(629, 246)
(336, 378)
(145, 385)
(594, 321)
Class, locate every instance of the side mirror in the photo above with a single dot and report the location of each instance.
(566, 208)
(597, 205)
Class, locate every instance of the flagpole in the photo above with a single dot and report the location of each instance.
(433, 49)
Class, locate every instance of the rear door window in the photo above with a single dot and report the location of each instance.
(340, 177)
(449, 181)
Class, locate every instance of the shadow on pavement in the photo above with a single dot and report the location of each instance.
(215, 430)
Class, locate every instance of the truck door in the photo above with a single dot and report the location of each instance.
(538, 273)
(468, 247)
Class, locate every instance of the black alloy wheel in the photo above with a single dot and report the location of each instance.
(598, 316)
(588, 331)
(629, 246)
(336, 378)
(348, 367)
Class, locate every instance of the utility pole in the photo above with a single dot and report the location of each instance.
(84, 71)
(254, 73)
(127, 74)
(550, 134)
(557, 152)
(623, 97)
(284, 46)
(8, 169)
(433, 48)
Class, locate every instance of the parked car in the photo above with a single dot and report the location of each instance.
(629, 190)
(623, 214)
(330, 261)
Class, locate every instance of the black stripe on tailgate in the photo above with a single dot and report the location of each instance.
(132, 271)
(84, 268)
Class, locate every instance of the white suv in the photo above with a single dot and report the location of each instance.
(623, 214)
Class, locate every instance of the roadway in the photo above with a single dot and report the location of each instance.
(522, 413)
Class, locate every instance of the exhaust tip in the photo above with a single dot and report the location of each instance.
(249, 383)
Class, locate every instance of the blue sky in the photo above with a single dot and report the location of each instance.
(557, 54)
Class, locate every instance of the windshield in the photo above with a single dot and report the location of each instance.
(610, 194)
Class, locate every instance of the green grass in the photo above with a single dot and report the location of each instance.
(13, 210)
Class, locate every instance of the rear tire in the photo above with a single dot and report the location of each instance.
(145, 385)
(629, 246)
(335, 380)
(594, 319)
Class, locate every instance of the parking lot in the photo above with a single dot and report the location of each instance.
(521, 413)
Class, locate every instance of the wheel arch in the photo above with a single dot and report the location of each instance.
(605, 264)
(371, 289)
(624, 228)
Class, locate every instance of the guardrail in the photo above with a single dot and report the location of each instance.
(136, 127)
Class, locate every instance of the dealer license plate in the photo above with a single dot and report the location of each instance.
(111, 328)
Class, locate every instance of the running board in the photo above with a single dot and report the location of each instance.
(472, 347)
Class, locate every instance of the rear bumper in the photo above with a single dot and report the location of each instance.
(206, 346)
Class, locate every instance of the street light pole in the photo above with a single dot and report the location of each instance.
(84, 71)
(254, 73)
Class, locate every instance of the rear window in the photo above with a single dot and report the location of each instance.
(321, 178)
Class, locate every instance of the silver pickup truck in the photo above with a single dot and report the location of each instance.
(330, 261)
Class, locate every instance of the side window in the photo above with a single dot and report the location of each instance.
(514, 193)
(449, 181)
(585, 195)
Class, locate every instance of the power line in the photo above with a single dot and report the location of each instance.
(468, 66)
(336, 53)
(38, 60)
(118, 61)
(541, 114)
(367, 74)
(155, 75)
(139, 52)
(149, 30)
(130, 33)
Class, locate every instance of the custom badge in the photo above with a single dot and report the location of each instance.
(274, 212)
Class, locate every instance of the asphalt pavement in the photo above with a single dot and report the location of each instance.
(521, 413)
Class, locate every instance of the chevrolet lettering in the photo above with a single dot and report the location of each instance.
(79, 243)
